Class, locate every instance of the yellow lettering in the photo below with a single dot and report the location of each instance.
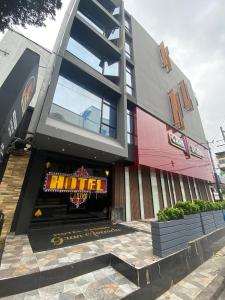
(92, 184)
(73, 183)
(82, 183)
(99, 182)
(60, 182)
(53, 183)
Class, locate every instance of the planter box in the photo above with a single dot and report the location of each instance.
(218, 218)
(208, 224)
(168, 237)
(193, 226)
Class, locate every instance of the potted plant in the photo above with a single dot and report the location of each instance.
(168, 232)
(206, 208)
(192, 219)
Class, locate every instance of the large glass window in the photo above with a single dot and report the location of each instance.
(128, 49)
(90, 22)
(130, 127)
(127, 25)
(129, 81)
(94, 60)
(75, 105)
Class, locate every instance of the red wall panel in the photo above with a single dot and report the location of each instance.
(154, 150)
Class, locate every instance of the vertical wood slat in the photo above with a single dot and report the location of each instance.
(191, 181)
(169, 201)
(169, 66)
(186, 188)
(177, 187)
(186, 96)
(202, 189)
(163, 54)
(165, 57)
(159, 185)
(209, 192)
(176, 109)
(147, 193)
(118, 187)
(127, 193)
(134, 193)
(171, 189)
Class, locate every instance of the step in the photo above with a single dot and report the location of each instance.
(105, 283)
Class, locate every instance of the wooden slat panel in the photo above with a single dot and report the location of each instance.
(186, 97)
(167, 189)
(208, 190)
(159, 189)
(118, 187)
(169, 66)
(171, 188)
(192, 188)
(163, 54)
(177, 187)
(176, 109)
(134, 194)
(186, 188)
(202, 189)
(147, 193)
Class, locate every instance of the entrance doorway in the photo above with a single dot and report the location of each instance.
(54, 207)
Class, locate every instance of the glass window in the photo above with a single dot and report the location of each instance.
(108, 131)
(90, 22)
(116, 11)
(85, 55)
(130, 127)
(109, 115)
(75, 105)
(92, 59)
(127, 25)
(129, 80)
(114, 34)
(128, 49)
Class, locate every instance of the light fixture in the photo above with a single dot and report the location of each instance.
(48, 164)
(107, 173)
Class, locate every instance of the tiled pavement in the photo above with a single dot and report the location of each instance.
(104, 284)
(18, 258)
(196, 282)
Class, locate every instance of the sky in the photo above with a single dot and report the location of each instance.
(194, 32)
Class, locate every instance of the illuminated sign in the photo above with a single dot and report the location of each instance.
(177, 141)
(79, 182)
(182, 143)
(195, 151)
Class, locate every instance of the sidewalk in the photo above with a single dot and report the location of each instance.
(206, 282)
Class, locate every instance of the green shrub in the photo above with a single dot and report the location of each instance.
(208, 206)
(188, 207)
(171, 213)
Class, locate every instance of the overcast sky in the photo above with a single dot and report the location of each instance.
(194, 31)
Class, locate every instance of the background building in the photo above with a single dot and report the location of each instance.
(115, 103)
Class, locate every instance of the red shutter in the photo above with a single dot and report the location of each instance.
(185, 95)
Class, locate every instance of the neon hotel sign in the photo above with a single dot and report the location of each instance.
(72, 183)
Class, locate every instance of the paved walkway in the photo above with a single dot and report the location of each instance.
(18, 258)
(195, 283)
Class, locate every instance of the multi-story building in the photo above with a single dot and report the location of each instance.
(220, 156)
(117, 132)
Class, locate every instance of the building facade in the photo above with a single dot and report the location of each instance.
(116, 132)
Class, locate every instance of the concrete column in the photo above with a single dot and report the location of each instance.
(182, 188)
(141, 194)
(11, 186)
(155, 193)
(127, 193)
(163, 189)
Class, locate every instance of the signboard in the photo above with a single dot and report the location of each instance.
(75, 183)
(16, 94)
(183, 144)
